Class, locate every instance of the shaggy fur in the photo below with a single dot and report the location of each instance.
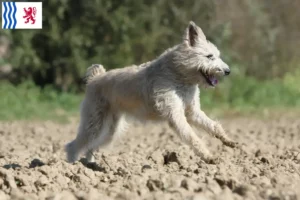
(163, 89)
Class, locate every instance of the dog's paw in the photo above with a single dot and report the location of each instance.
(72, 155)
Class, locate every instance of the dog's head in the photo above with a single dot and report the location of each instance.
(199, 59)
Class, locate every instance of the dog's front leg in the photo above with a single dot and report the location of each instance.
(179, 123)
(174, 113)
(198, 118)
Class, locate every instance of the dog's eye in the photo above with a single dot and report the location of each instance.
(210, 56)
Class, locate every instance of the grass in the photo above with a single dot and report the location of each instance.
(235, 95)
(246, 95)
(28, 102)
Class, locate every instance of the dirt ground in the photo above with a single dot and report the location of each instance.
(150, 162)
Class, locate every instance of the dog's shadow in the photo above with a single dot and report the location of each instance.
(92, 165)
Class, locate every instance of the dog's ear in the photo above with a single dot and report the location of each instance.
(193, 34)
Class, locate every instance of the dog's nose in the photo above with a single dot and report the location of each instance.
(227, 72)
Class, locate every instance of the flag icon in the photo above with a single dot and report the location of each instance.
(21, 15)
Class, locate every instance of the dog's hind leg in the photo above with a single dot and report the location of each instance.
(112, 125)
(74, 148)
(90, 156)
(94, 117)
(91, 134)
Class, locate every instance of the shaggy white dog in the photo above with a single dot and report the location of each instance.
(163, 89)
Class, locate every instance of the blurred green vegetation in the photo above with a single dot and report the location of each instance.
(27, 101)
(238, 95)
(43, 69)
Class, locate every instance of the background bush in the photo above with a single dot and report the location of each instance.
(77, 34)
(261, 36)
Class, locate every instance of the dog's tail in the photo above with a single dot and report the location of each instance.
(92, 71)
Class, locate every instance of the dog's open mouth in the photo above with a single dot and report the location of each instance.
(211, 80)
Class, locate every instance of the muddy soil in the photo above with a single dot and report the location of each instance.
(150, 162)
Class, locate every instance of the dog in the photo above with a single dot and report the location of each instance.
(164, 89)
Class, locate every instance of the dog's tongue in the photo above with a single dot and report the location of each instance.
(213, 80)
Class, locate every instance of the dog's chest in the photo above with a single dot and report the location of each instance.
(187, 93)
